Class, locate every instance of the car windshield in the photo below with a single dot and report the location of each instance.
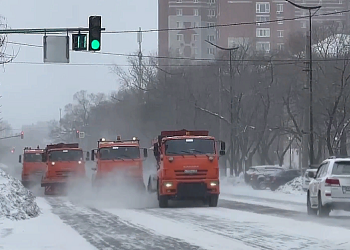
(66, 155)
(341, 168)
(189, 147)
(33, 157)
(115, 153)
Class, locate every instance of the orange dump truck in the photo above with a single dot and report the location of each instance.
(33, 167)
(64, 163)
(187, 167)
(120, 158)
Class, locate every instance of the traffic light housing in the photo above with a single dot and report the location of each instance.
(77, 134)
(95, 33)
(22, 135)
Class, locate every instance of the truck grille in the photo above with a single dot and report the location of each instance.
(190, 174)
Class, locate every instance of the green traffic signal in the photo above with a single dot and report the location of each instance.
(95, 44)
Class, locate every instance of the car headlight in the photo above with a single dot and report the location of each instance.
(168, 184)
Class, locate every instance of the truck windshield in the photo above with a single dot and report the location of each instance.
(33, 157)
(189, 147)
(115, 153)
(66, 155)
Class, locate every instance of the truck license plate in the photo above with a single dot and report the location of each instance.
(190, 171)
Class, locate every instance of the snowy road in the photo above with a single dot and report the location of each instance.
(233, 225)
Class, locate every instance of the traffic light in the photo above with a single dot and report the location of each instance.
(79, 42)
(77, 134)
(22, 135)
(94, 33)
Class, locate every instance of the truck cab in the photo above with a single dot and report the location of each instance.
(33, 167)
(64, 162)
(120, 158)
(187, 167)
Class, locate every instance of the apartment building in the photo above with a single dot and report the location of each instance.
(175, 14)
(266, 37)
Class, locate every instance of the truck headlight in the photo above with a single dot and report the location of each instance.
(214, 183)
(53, 163)
(168, 184)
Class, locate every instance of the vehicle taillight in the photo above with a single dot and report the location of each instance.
(332, 182)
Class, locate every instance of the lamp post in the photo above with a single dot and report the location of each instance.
(308, 112)
(231, 101)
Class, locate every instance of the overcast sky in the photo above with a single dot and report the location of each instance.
(32, 93)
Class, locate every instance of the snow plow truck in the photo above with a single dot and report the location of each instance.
(118, 159)
(187, 167)
(64, 164)
(33, 167)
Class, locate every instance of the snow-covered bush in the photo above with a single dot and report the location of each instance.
(16, 202)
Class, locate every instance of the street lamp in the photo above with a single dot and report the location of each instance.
(231, 96)
(311, 122)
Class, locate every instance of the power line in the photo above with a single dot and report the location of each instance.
(298, 60)
(226, 25)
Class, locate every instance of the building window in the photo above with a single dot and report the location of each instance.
(195, 1)
(211, 25)
(280, 46)
(263, 32)
(178, 25)
(196, 25)
(280, 33)
(280, 8)
(211, 12)
(195, 37)
(195, 51)
(211, 51)
(179, 37)
(261, 19)
(263, 46)
(179, 1)
(280, 20)
(195, 12)
(303, 24)
(211, 38)
(178, 52)
(212, 1)
(262, 7)
(179, 12)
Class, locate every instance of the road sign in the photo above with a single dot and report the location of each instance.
(79, 42)
(81, 135)
(56, 49)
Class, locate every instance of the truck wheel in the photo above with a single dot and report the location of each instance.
(163, 201)
(213, 200)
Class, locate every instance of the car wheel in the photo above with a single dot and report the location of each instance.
(262, 185)
(323, 211)
(310, 210)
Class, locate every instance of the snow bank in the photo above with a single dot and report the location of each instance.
(295, 186)
(16, 202)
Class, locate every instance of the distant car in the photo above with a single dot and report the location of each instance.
(258, 175)
(277, 179)
(329, 188)
(306, 178)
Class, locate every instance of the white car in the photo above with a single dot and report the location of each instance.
(306, 178)
(329, 188)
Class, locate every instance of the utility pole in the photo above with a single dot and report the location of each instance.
(139, 40)
(231, 104)
(308, 131)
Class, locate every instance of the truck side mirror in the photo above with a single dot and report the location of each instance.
(92, 155)
(87, 156)
(145, 152)
(222, 148)
(20, 158)
(155, 149)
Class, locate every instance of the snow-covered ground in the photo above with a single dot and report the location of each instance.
(46, 231)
